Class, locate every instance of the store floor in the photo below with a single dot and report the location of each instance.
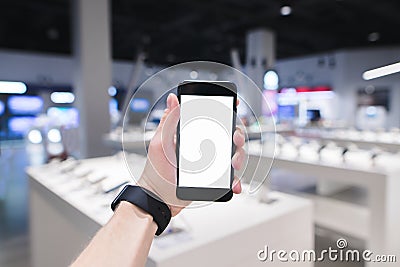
(14, 235)
(325, 238)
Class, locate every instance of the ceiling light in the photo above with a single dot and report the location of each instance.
(194, 74)
(382, 71)
(271, 80)
(373, 36)
(12, 87)
(35, 136)
(286, 10)
(54, 136)
(62, 97)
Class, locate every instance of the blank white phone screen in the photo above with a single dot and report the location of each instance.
(205, 141)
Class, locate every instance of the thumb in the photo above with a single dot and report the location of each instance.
(169, 121)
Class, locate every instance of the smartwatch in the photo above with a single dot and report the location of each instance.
(148, 202)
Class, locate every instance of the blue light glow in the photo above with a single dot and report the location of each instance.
(1, 108)
(113, 105)
(20, 125)
(25, 104)
(140, 105)
(65, 115)
(112, 91)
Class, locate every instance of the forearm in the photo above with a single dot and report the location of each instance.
(124, 241)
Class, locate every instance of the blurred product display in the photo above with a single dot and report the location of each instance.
(385, 140)
(76, 194)
(376, 173)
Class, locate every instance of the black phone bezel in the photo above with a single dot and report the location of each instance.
(206, 88)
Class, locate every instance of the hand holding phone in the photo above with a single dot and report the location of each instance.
(160, 172)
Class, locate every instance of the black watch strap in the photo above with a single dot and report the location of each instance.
(148, 202)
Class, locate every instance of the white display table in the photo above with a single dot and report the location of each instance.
(65, 212)
(345, 140)
(134, 141)
(380, 221)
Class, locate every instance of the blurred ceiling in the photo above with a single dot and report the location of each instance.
(175, 31)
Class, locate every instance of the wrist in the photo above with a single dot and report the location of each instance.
(127, 209)
(148, 202)
(127, 212)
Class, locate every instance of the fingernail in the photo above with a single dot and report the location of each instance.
(169, 100)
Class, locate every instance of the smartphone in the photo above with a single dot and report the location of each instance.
(204, 143)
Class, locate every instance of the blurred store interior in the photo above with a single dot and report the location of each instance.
(329, 137)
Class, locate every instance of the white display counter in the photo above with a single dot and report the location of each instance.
(66, 211)
(366, 140)
(378, 223)
(134, 141)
